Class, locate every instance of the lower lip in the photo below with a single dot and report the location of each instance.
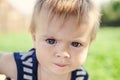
(60, 65)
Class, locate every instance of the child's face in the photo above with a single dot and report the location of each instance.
(60, 48)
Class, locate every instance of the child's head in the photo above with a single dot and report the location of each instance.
(62, 32)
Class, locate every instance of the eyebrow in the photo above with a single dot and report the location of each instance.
(83, 41)
(45, 36)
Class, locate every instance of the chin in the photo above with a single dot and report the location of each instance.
(61, 71)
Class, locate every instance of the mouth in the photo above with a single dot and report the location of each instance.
(60, 65)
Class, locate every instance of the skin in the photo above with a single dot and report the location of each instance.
(7, 65)
(60, 48)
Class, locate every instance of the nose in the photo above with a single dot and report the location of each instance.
(63, 54)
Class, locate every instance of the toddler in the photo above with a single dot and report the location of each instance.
(62, 32)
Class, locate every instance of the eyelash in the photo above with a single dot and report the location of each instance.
(76, 44)
(54, 41)
(51, 41)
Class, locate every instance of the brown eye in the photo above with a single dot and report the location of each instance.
(51, 41)
(76, 44)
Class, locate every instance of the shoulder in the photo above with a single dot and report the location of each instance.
(7, 65)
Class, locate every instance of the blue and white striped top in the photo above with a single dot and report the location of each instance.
(27, 67)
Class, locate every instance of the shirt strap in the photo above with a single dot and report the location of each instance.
(80, 74)
(26, 65)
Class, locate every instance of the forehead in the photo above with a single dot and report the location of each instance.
(59, 25)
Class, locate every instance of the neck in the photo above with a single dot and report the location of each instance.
(45, 75)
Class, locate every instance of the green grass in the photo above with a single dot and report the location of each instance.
(15, 42)
(103, 62)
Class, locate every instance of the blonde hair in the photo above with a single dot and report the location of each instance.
(81, 9)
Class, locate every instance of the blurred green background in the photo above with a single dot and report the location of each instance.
(103, 62)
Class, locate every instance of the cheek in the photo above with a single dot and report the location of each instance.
(79, 57)
(42, 54)
(43, 49)
(82, 58)
(79, 60)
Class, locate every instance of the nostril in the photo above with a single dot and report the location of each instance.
(63, 55)
(67, 56)
(57, 55)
